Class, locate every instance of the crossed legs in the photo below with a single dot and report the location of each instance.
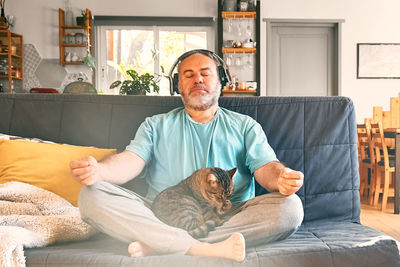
(126, 216)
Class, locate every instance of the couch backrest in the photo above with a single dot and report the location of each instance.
(316, 135)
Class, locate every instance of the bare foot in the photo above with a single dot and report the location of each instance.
(138, 249)
(232, 248)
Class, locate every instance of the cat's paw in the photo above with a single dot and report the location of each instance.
(211, 224)
(199, 232)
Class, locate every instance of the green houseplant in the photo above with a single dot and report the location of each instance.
(136, 84)
(81, 21)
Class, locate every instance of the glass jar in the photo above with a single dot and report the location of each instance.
(252, 5)
(84, 38)
(79, 38)
(243, 5)
(3, 66)
(230, 5)
(71, 38)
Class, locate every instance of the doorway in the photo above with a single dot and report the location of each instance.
(303, 57)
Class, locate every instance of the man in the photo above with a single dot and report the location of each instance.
(172, 146)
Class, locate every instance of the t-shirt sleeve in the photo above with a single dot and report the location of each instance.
(258, 151)
(142, 144)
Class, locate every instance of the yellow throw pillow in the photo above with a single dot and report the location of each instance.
(45, 165)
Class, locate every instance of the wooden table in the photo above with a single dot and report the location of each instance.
(395, 133)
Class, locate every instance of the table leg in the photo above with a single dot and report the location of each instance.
(397, 175)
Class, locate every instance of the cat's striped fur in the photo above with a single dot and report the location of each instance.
(198, 203)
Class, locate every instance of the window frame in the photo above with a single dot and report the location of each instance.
(155, 24)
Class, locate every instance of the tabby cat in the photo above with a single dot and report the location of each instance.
(198, 203)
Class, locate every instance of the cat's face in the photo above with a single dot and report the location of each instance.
(217, 186)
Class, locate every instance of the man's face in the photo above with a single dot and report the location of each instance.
(199, 83)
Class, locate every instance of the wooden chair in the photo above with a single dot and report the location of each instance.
(384, 165)
(366, 157)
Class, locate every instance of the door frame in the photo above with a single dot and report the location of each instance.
(336, 24)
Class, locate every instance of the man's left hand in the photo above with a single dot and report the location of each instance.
(290, 181)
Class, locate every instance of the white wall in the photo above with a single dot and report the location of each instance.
(366, 21)
(37, 20)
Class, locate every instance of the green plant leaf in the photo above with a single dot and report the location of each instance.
(115, 84)
(133, 73)
(134, 82)
(89, 60)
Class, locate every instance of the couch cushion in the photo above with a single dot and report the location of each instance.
(44, 165)
(317, 136)
(342, 244)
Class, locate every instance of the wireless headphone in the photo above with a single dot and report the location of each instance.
(222, 69)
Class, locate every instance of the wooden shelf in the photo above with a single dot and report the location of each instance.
(76, 27)
(72, 30)
(16, 35)
(227, 48)
(239, 91)
(238, 15)
(2, 76)
(14, 60)
(239, 50)
(73, 27)
(74, 45)
(73, 63)
(12, 55)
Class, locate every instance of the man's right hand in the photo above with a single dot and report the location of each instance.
(86, 171)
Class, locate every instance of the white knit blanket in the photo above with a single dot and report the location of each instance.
(34, 217)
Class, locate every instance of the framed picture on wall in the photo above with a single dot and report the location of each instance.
(378, 61)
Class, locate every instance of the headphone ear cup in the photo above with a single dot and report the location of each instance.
(175, 83)
(222, 76)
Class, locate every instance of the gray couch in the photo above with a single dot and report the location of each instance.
(312, 134)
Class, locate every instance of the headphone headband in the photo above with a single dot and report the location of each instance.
(222, 68)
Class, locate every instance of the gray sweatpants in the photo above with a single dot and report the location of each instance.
(127, 216)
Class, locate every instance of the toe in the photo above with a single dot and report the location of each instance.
(134, 250)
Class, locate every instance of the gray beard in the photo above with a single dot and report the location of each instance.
(195, 105)
(203, 104)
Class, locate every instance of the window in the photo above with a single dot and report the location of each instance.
(145, 49)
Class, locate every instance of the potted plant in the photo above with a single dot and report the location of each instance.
(136, 84)
(81, 21)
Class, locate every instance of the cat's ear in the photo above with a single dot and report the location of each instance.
(212, 180)
(232, 172)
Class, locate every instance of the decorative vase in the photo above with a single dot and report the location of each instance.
(74, 57)
(68, 57)
(80, 21)
(3, 20)
(69, 18)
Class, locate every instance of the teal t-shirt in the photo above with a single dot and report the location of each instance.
(174, 146)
